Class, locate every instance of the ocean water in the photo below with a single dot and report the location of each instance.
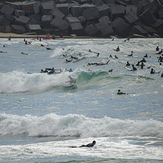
(42, 115)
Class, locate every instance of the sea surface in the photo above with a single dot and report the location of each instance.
(42, 115)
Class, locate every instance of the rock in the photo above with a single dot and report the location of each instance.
(120, 26)
(4, 21)
(98, 2)
(157, 24)
(72, 20)
(64, 8)
(57, 13)
(117, 11)
(103, 10)
(131, 9)
(31, 8)
(6, 9)
(82, 19)
(45, 20)
(34, 28)
(19, 29)
(104, 20)
(46, 7)
(22, 20)
(91, 30)
(59, 23)
(91, 13)
(77, 10)
(131, 18)
(149, 29)
(110, 2)
(76, 28)
(137, 29)
(160, 13)
(147, 17)
(19, 13)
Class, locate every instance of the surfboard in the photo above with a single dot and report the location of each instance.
(37, 45)
(128, 69)
(86, 65)
(130, 56)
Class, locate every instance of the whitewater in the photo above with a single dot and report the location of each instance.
(42, 115)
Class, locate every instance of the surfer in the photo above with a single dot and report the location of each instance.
(110, 70)
(134, 68)
(146, 55)
(153, 71)
(116, 57)
(127, 64)
(138, 64)
(142, 65)
(161, 75)
(143, 60)
(110, 56)
(117, 49)
(89, 145)
(160, 59)
(157, 48)
(120, 92)
(131, 55)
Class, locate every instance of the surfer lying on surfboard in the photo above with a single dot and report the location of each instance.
(87, 145)
(153, 71)
(98, 64)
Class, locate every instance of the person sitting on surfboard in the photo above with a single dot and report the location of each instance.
(120, 92)
(89, 145)
(142, 65)
(118, 49)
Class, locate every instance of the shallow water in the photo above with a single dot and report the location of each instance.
(42, 115)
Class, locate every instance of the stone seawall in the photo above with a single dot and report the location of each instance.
(96, 18)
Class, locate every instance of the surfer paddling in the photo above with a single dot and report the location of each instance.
(87, 145)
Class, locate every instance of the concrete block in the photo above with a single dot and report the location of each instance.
(4, 21)
(117, 11)
(34, 28)
(110, 2)
(98, 2)
(46, 7)
(64, 8)
(147, 17)
(76, 26)
(120, 26)
(59, 23)
(106, 30)
(158, 23)
(72, 20)
(137, 29)
(104, 20)
(160, 13)
(19, 13)
(131, 18)
(91, 13)
(19, 29)
(64, 26)
(149, 29)
(10, 18)
(91, 30)
(6, 9)
(103, 10)
(31, 8)
(57, 13)
(22, 20)
(82, 19)
(131, 9)
(77, 11)
(45, 20)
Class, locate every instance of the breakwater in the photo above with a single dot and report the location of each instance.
(98, 18)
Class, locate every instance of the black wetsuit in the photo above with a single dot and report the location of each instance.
(88, 145)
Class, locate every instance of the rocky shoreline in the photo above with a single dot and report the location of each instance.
(83, 18)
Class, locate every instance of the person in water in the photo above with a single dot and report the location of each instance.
(157, 48)
(127, 64)
(131, 55)
(89, 145)
(134, 68)
(120, 92)
(152, 71)
(118, 49)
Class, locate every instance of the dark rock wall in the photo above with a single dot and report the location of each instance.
(99, 18)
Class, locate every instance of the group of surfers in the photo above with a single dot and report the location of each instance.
(53, 71)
